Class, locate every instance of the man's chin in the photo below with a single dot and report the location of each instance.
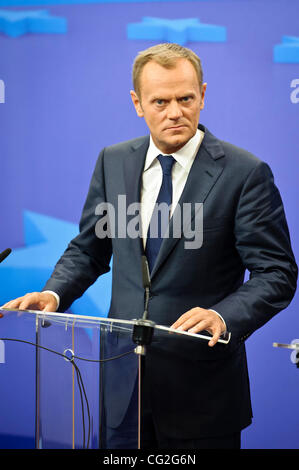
(176, 143)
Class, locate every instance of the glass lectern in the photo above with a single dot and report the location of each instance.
(87, 373)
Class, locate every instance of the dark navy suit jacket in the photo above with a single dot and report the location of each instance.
(204, 391)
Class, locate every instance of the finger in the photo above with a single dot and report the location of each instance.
(29, 300)
(215, 338)
(179, 322)
(13, 303)
(24, 304)
(194, 320)
(50, 307)
(183, 318)
(194, 325)
(8, 304)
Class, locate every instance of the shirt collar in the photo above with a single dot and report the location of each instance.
(184, 156)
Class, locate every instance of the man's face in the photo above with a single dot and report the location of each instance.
(170, 101)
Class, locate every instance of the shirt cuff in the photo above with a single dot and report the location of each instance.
(56, 297)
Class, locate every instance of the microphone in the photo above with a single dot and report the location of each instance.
(146, 284)
(5, 254)
(143, 328)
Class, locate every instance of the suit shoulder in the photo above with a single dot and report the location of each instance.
(236, 157)
(245, 163)
(240, 156)
(122, 148)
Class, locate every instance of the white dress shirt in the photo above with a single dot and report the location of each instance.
(152, 179)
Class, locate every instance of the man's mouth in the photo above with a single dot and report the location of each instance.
(178, 127)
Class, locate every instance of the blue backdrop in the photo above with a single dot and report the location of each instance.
(66, 95)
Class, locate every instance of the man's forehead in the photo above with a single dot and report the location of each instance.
(168, 94)
(155, 68)
(181, 74)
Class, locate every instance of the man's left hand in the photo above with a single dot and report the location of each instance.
(198, 319)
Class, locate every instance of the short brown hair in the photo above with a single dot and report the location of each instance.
(165, 54)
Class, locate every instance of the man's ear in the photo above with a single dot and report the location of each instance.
(203, 92)
(137, 103)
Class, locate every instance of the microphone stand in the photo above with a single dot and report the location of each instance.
(142, 336)
(143, 329)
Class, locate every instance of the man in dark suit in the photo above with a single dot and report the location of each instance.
(198, 398)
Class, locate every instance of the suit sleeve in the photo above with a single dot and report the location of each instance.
(263, 243)
(86, 257)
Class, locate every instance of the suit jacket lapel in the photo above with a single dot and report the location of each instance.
(206, 169)
(133, 168)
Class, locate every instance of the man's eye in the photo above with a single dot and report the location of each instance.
(160, 102)
(185, 99)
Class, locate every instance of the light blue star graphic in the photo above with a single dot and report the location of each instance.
(288, 51)
(179, 31)
(16, 23)
(27, 269)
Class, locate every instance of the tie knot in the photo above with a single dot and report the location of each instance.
(166, 162)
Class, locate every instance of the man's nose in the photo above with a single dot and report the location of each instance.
(174, 110)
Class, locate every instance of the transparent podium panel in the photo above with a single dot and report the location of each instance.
(83, 376)
(17, 380)
(86, 375)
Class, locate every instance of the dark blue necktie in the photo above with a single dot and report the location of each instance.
(160, 217)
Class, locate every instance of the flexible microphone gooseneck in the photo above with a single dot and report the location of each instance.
(143, 329)
(4, 254)
(146, 284)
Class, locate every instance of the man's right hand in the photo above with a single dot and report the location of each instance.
(43, 301)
